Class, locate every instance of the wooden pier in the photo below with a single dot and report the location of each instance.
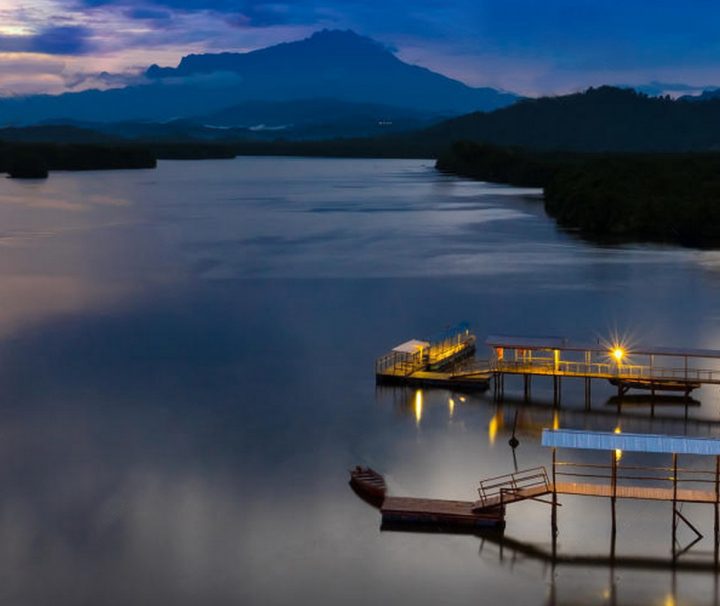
(585, 479)
(448, 362)
(645, 368)
(439, 513)
(443, 362)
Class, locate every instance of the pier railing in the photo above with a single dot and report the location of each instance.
(510, 487)
(401, 364)
(605, 370)
(639, 476)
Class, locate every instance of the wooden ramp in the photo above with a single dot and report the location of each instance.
(512, 487)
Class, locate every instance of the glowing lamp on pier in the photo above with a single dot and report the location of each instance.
(618, 353)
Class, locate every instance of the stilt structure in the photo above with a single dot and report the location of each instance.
(650, 369)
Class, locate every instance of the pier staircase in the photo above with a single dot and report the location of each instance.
(511, 488)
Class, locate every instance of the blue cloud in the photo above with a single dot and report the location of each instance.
(59, 40)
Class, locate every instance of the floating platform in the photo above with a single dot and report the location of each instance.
(445, 362)
(477, 381)
(439, 513)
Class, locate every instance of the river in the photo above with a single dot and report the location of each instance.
(187, 375)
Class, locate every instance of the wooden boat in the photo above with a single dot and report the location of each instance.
(368, 483)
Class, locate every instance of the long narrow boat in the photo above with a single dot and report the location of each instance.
(368, 483)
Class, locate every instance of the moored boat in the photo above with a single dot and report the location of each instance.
(368, 483)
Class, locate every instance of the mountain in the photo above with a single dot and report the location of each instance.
(599, 119)
(660, 89)
(330, 64)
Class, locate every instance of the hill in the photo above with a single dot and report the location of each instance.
(599, 119)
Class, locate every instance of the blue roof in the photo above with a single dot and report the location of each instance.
(630, 442)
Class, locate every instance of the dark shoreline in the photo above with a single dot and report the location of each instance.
(671, 198)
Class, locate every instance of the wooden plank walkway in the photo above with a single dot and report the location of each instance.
(439, 512)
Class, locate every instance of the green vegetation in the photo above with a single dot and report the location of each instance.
(622, 196)
(33, 160)
(597, 120)
(25, 165)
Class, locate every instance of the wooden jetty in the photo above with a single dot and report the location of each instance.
(448, 362)
(442, 362)
(440, 513)
(430, 513)
(615, 481)
(645, 368)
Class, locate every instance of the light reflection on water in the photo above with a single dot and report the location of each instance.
(187, 376)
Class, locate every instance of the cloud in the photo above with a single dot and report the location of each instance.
(525, 45)
(59, 40)
(28, 74)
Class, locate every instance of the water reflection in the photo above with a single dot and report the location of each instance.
(185, 371)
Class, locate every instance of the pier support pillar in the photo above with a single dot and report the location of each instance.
(553, 515)
(613, 500)
(526, 385)
(588, 394)
(674, 507)
(717, 511)
(557, 390)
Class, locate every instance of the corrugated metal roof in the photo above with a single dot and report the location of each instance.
(629, 442)
(412, 346)
(564, 344)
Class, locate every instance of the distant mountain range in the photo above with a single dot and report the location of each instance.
(604, 119)
(331, 68)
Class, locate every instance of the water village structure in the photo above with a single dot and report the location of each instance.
(449, 362)
(669, 483)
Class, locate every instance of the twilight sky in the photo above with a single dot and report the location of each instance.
(528, 46)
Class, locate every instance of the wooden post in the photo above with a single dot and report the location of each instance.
(559, 390)
(553, 519)
(613, 499)
(587, 393)
(717, 512)
(674, 506)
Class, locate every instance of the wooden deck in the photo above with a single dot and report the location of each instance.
(476, 381)
(447, 364)
(439, 512)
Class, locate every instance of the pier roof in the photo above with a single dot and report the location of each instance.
(630, 442)
(412, 346)
(564, 344)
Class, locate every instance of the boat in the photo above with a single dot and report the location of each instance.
(368, 483)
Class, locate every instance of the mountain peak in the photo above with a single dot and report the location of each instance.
(324, 46)
(340, 37)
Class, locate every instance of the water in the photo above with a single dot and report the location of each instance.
(186, 370)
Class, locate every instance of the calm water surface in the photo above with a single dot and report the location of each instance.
(186, 376)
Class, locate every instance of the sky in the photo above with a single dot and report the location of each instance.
(532, 47)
